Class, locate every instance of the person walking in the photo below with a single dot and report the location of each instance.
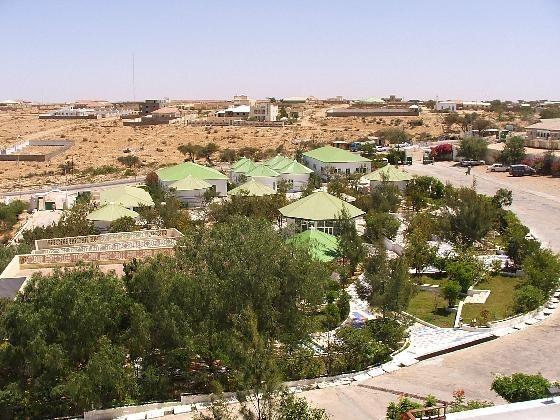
(468, 170)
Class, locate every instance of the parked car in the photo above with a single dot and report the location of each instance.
(466, 162)
(498, 167)
(521, 170)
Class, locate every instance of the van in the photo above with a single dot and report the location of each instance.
(521, 170)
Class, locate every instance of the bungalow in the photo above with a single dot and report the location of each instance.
(126, 196)
(265, 175)
(169, 175)
(295, 174)
(387, 173)
(252, 188)
(240, 168)
(190, 190)
(544, 134)
(328, 159)
(446, 106)
(165, 115)
(320, 211)
(107, 214)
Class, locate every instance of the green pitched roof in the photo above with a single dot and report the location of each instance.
(273, 161)
(240, 162)
(262, 171)
(371, 100)
(245, 167)
(190, 183)
(294, 167)
(126, 196)
(319, 206)
(388, 173)
(252, 188)
(180, 171)
(110, 213)
(329, 154)
(321, 245)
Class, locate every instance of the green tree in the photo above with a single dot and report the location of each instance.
(542, 270)
(422, 191)
(129, 160)
(465, 270)
(527, 298)
(123, 224)
(379, 225)
(350, 246)
(473, 148)
(451, 290)
(207, 151)
(514, 151)
(502, 198)
(192, 150)
(521, 387)
(393, 135)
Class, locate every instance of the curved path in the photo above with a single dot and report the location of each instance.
(533, 350)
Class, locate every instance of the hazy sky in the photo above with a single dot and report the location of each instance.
(476, 49)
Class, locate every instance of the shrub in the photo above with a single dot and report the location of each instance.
(521, 387)
(527, 298)
(542, 270)
(451, 290)
(465, 271)
(395, 410)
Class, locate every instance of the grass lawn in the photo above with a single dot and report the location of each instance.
(439, 280)
(430, 307)
(499, 304)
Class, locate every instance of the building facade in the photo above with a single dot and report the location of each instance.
(544, 134)
(264, 111)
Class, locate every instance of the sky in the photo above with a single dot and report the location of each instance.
(61, 50)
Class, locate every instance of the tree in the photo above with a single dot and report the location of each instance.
(228, 155)
(502, 198)
(207, 151)
(542, 270)
(422, 191)
(527, 298)
(350, 246)
(129, 160)
(190, 149)
(418, 251)
(393, 135)
(473, 148)
(384, 197)
(521, 387)
(514, 151)
(465, 270)
(379, 225)
(451, 118)
(123, 224)
(451, 290)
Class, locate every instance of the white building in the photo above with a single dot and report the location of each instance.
(242, 100)
(328, 160)
(264, 111)
(446, 106)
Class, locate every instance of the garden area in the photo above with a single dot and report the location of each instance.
(431, 307)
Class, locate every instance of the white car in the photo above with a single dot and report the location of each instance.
(498, 167)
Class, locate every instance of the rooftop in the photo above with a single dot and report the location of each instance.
(329, 154)
(166, 110)
(294, 167)
(388, 173)
(262, 171)
(182, 170)
(320, 206)
(321, 245)
(190, 183)
(126, 196)
(546, 124)
(110, 213)
(252, 188)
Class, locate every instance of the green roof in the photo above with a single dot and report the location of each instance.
(371, 100)
(388, 173)
(182, 170)
(245, 167)
(320, 206)
(273, 161)
(262, 171)
(280, 163)
(126, 196)
(110, 213)
(190, 183)
(294, 167)
(321, 245)
(240, 162)
(329, 154)
(252, 188)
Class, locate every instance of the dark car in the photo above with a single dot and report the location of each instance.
(521, 170)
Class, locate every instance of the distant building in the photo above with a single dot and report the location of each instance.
(474, 105)
(151, 105)
(446, 106)
(242, 100)
(544, 134)
(240, 112)
(374, 112)
(166, 114)
(264, 111)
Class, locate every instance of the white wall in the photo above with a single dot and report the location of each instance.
(323, 169)
(299, 181)
(192, 198)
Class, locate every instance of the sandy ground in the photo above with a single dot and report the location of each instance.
(101, 142)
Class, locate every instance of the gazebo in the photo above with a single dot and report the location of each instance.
(190, 190)
(240, 168)
(264, 175)
(387, 173)
(252, 188)
(127, 196)
(320, 211)
(321, 245)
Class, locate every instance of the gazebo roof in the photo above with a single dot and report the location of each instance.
(294, 167)
(244, 167)
(320, 206)
(252, 188)
(180, 171)
(262, 171)
(190, 183)
(321, 245)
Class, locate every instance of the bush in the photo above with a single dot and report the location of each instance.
(465, 271)
(451, 290)
(542, 270)
(521, 387)
(527, 298)
(9, 214)
(395, 410)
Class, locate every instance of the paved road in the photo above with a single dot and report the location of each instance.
(533, 350)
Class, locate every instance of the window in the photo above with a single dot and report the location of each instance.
(347, 171)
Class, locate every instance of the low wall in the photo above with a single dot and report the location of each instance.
(10, 154)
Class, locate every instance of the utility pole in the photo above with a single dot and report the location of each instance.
(133, 81)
